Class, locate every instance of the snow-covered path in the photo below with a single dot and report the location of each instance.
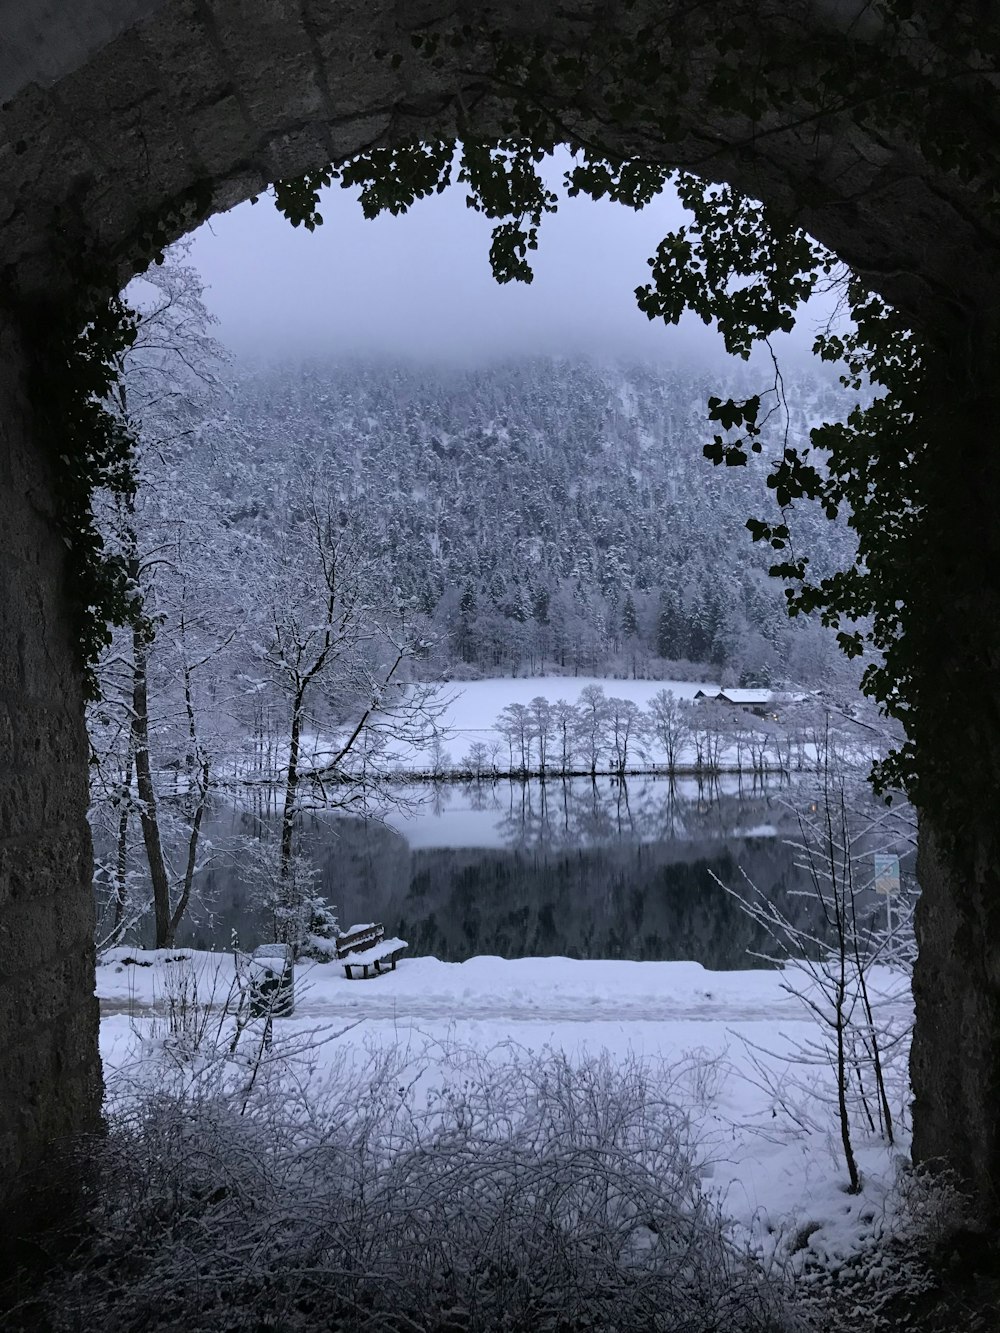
(494, 990)
(727, 1045)
(447, 1010)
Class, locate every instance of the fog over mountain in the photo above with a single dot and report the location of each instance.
(419, 286)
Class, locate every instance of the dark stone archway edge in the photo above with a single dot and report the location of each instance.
(241, 92)
(144, 101)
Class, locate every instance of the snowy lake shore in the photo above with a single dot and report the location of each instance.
(725, 1044)
(486, 730)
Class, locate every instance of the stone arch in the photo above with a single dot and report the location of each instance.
(114, 114)
(116, 111)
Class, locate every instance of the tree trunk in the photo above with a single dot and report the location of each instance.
(121, 861)
(147, 793)
(291, 788)
(194, 838)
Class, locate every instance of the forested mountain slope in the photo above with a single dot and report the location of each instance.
(543, 513)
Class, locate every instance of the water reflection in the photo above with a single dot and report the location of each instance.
(590, 870)
(581, 812)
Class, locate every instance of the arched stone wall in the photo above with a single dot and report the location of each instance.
(237, 93)
(113, 117)
(50, 1081)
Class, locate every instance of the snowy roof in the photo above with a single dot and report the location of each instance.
(745, 696)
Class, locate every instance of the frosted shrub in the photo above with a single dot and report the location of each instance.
(299, 913)
(904, 1278)
(185, 1004)
(532, 1194)
(830, 966)
(323, 928)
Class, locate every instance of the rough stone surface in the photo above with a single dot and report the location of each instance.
(237, 93)
(47, 39)
(955, 1059)
(50, 1085)
(125, 117)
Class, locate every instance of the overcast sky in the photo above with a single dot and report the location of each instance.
(420, 285)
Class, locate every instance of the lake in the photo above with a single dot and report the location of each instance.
(586, 869)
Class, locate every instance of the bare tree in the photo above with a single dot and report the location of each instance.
(543, 718)
(477, 759)
(593, 712)
(829, 963)
(760, 733)
(669, 726)
(336, 645)
(516, 725)
(152, 681)
(714, 730)
(626, 728)
(566, 728)
(168, 380)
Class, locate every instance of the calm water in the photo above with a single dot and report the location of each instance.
(588, 870)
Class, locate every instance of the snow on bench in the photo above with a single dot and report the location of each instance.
(359, 937)
(364, 947)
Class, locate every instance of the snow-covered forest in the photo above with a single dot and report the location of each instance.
(312, 549)
(322, 558)
(535, 515)
(523, 517)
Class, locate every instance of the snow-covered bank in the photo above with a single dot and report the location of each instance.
(476, 704)
(724, 1041)
(487, 985)
(568, 726)
(468, 713)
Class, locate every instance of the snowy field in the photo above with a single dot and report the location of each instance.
(467, 713)
(436, 741)
(723, 1044)
(476, 704)
(473, 708)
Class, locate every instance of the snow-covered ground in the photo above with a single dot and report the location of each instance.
(476, 704)
(770, 1151)
(467, 713)
(473, 707)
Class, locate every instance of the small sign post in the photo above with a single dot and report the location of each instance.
(887, 881)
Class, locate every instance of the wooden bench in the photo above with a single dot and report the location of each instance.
(365, 949)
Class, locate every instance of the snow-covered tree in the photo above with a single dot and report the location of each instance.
(669, 726)
(334, 642)
(626, 730)
(152, 717)
(593, 726)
